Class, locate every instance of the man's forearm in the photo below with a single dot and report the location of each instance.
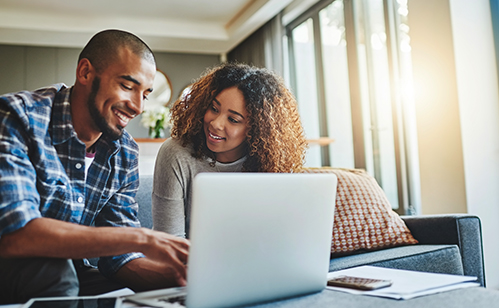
(164, 265)
(45, 237)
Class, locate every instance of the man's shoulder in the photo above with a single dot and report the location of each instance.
(32, 108)
(26, 101)
(45, 94)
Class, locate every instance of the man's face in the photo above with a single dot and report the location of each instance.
(119, 91)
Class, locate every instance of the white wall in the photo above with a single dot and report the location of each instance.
(457, 114)
(443, 188)
(479, 109)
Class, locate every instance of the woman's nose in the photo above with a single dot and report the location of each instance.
(217, 123)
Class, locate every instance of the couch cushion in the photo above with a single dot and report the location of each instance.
(445, 259)
(363, 218)
(143, 198)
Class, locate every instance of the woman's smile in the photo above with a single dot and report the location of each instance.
(215, 138)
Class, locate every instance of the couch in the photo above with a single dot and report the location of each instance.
(449, 244)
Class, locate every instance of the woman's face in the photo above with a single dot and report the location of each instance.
(226, 125)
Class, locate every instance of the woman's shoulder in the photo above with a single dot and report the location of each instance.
(175, 145)
(173, 155)
(173, 148)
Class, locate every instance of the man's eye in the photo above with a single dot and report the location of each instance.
(126, 87)
(145, 97)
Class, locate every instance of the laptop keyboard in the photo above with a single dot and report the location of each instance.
(167, 298)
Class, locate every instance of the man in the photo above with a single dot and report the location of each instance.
(68, 178)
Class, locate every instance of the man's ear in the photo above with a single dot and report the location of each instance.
(85, 72)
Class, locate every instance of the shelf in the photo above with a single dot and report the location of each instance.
(320, 141)
(159, 140)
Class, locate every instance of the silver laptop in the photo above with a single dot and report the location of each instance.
(255, 237)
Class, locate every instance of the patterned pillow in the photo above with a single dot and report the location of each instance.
(363, 218)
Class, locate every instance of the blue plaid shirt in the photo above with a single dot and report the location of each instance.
(42, 169)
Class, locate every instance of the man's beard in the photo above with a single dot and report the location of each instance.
(99, 120)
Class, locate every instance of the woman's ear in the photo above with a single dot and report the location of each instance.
(84, 72)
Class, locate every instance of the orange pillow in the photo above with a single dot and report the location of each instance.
(363, 217)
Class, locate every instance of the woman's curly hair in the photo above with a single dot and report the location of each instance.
(275, 139)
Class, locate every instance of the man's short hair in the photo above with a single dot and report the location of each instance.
(102, 48)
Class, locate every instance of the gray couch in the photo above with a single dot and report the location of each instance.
(450, 244)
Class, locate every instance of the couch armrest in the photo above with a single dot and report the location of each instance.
(463, 230)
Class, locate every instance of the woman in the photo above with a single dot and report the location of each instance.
(235, 118)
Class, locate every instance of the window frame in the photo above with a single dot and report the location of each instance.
(403, 176)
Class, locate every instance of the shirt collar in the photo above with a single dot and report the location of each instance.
(62, 123)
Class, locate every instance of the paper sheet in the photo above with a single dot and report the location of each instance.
(406, 284)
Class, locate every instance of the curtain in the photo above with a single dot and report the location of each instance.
(263, 48)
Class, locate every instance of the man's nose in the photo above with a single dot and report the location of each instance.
(136, 104)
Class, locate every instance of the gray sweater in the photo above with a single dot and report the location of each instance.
(172, 188)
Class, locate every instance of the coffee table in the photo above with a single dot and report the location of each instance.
(465, 298)
(461, 298)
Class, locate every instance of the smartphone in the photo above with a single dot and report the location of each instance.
(359, 283)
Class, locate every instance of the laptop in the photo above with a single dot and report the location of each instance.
(255, 237)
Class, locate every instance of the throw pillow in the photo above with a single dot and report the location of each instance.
(363, 218)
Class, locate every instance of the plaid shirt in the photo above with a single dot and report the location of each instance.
(42, 169)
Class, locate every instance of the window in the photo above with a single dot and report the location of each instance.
(349, 63)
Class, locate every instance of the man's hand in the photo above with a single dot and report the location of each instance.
(164, 265)
(164, 247)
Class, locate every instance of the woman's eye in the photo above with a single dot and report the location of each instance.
(233, 120)
(213, 108)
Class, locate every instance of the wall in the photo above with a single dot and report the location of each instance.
(457, 103)
(437, 108)
(479, 108)
(28, 68)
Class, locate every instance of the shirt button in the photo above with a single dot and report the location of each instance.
(78, 166)
(80, 199)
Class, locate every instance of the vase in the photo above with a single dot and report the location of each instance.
(156, 132)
